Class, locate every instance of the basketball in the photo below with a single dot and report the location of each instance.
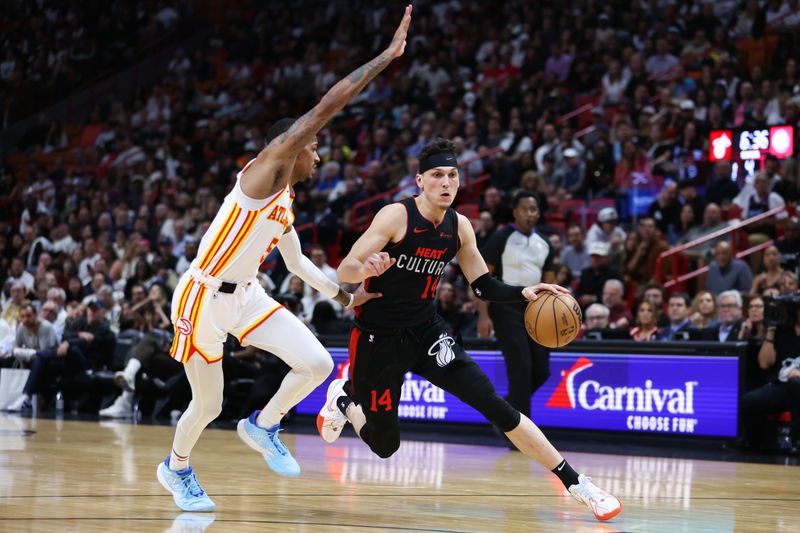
(553, 320)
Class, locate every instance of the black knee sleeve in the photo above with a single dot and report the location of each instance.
(382, 441)
(482, 396)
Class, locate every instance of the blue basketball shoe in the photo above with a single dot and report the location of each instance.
(185, 489)
(268, 443)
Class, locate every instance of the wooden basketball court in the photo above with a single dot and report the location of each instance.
(86, 476)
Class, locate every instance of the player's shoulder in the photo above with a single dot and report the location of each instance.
(389, 217)
(391, 211)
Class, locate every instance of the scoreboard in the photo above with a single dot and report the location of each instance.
(751, 144)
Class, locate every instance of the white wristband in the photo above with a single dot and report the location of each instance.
(352, 301)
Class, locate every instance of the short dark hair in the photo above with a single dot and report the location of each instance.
(576, 225)
(654, 285)
(279, 127)
(437, 146)
(521, 195)
(683, 296)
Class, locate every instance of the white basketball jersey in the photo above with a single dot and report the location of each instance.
(244, 231)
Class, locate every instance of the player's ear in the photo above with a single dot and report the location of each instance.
(419, 181)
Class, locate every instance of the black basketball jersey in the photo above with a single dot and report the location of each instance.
(409, 286)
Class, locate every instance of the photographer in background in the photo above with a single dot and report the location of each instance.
(780, 358)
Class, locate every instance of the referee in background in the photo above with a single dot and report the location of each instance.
(518, 255)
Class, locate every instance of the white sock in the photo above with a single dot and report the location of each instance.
(131, 369)
(266, 418)
(177, 462)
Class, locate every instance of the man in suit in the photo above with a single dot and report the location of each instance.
(679, 325)
(730, 318)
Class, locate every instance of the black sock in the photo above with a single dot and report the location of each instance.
(566, 474)
(342, 402)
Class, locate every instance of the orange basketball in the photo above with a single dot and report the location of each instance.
(553, 320)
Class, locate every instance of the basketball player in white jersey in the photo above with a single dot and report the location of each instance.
(219, 294)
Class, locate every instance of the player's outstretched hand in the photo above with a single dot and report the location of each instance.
(377, 263)
(532, 293)
(398, 44)
(360, 297)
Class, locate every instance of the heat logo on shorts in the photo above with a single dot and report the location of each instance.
(183, 326)
(443, 350)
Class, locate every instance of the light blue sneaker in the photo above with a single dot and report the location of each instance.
(268, 443)
(186, 491)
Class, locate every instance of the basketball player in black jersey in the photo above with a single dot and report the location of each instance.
(402, 256)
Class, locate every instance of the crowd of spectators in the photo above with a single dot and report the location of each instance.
(51, 48)
(117, 225)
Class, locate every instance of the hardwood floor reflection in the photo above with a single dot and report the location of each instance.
(87, 476)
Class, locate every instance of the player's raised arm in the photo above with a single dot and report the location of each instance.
(483, 284)
(366, 258)
(277, 158)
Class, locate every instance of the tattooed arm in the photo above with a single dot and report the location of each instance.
(277, 159)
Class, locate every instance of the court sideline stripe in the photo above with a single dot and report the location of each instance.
(233, 521)
(415, 495)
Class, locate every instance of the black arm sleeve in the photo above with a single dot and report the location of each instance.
(488, 288)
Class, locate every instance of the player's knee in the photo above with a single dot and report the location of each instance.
(385, 446)
(210, 407)
(320, 366)
(500, 413)
(382, 438)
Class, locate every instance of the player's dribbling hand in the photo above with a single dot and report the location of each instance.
(398, 44)
(532, 293)
(361, 296)
(377, 263)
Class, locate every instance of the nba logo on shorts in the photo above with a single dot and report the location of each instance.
(183, 326)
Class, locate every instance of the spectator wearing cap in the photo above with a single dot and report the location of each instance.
(88, 343)
(590, 286)
(572, 177)
(606, 230)
(726, 273)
